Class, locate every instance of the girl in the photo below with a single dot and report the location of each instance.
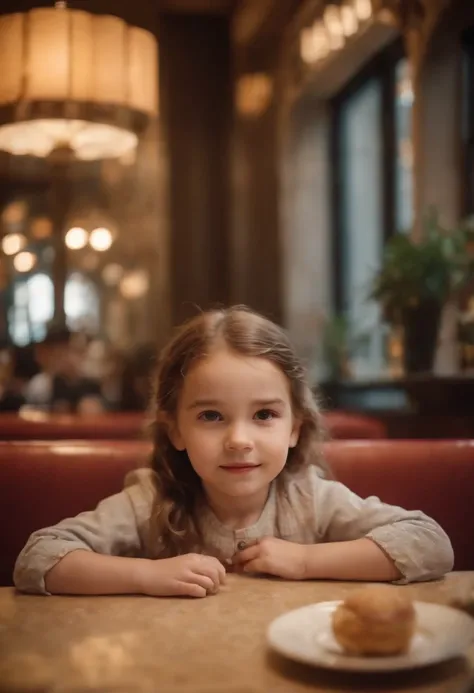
(236, 480)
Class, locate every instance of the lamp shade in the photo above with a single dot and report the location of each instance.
(73, 78)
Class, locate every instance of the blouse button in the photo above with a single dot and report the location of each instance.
(241, 545)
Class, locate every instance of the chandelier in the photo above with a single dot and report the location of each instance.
(71, 78)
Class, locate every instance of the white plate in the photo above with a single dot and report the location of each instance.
(305, 635)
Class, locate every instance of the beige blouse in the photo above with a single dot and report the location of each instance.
(308, 511)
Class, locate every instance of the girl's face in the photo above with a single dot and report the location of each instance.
(236, 423)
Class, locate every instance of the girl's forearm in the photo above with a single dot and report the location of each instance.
(86, 572)
(361, 559)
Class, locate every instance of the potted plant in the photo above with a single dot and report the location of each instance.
(416, 280)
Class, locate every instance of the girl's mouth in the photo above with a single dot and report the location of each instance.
(240, 468)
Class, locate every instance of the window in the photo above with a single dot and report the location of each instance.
(372, 191)
(361, 213)
(33, 306)
(81, 303)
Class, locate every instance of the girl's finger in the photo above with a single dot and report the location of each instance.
(190, 589)
(255, 566)
(204, 581)
(248, 554)
(221, 572)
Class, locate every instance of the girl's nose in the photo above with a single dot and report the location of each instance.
(238, 438)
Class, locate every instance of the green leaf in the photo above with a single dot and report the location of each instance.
(437, 268)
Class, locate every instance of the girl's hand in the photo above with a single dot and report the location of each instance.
(191, 575)
(274, 557)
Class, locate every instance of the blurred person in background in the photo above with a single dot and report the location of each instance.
(17, 366)
(61, 386)
(137, 378)
(104, 363)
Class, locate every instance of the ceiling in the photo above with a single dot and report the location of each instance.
(249, 17)
(198, 6)
(188, 6)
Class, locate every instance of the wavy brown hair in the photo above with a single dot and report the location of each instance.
(245, 332)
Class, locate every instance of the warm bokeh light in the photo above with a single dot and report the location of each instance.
(112, 274)
(349, 19)
(41, 228)
(24, 262)
(253, 94)
(332, 20)
(134, 284)
(363, 9)
(329, 32)
(76, 238)
(15, 213)
(314, 43)
(13, 243)
(100, 239)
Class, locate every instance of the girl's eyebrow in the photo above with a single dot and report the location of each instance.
(204, 403)
(199, 403)
(274, 401)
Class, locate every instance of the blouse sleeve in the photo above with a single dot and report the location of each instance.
(114, 528)
(419, 547)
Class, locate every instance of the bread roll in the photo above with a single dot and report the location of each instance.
(375, 620)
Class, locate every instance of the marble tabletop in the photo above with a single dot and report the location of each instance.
(215, 645)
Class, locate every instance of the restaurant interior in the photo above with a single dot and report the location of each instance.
(310, 159)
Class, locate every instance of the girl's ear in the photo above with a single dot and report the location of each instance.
(173, 432)
(176, 439)
(295, 433)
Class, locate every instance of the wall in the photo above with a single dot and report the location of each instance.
(442, 179)
(258, 250)
(442, 147)
(256, 276)
(196, 110)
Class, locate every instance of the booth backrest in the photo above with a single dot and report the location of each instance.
(35, 425)
(344, 425)
(42, 483)
(436, 476)
(133, 426)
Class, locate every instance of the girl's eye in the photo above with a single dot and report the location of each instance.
(265, 415)
(209, 416)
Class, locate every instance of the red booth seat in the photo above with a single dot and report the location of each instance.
(42, 483)
(133, 425)
(35, 425)
(342, 425)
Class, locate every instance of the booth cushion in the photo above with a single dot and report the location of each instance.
(34, 425)
(41, 483)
